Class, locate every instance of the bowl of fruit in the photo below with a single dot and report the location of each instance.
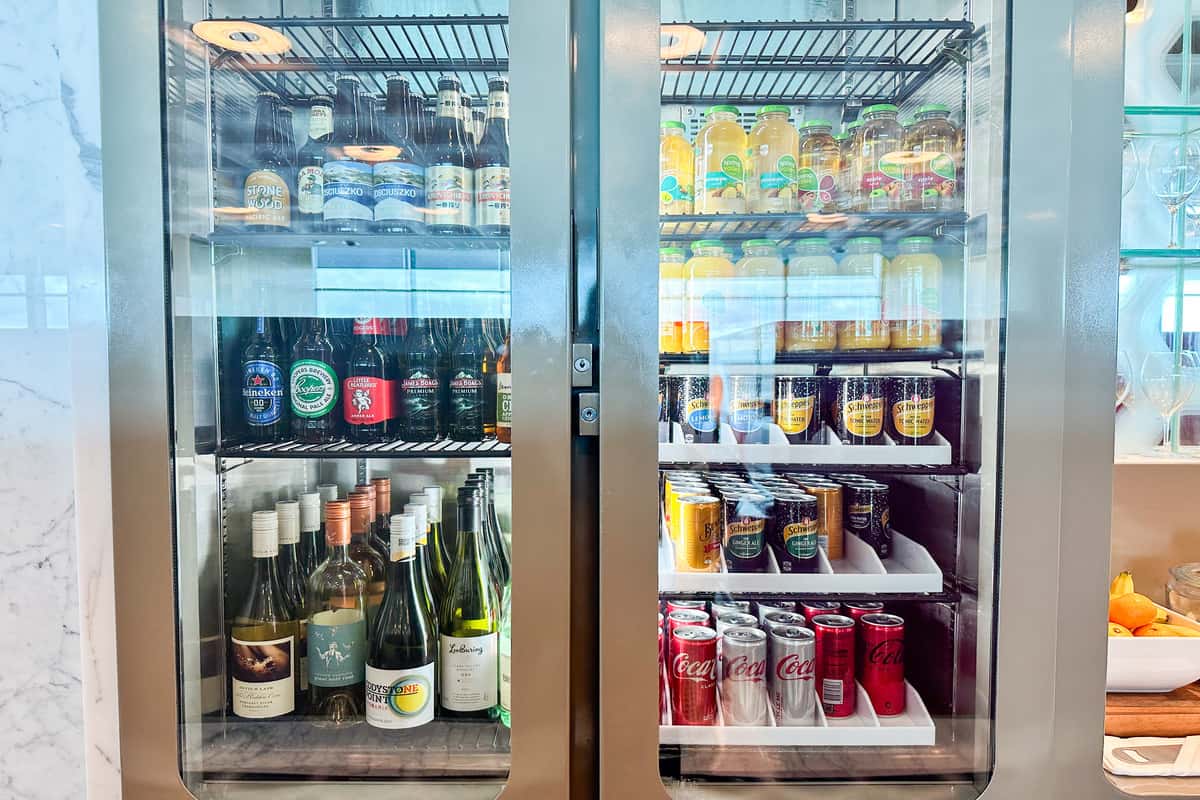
(1150, 648)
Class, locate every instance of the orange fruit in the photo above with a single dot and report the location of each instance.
(1132, 610)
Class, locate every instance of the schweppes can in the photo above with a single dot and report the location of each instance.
(910, 410)
(698, 408)
(698, 548)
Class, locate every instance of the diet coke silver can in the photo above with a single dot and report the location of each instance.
(767, 606)
(783, 619)
(720, 607)
(735, 619)
(791, 675)
(743, 673)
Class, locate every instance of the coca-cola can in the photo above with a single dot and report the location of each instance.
(882, 662)
(783, 619)
(857, 611)
(662, 689)
(694, 605)
(814, 608)
(735, 619)
(791, 667)
(767, 606)
(693, 675)
(835, 664)
(743, 676)
(720, 607)
(685, 616)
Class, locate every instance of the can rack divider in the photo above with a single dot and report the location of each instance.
(778, 451)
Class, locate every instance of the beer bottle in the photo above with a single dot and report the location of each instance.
(313, 386)
(492, 204)
(267, 192)
(419, 385)
(488, 369)
(466, 384)
(310, 175)
(264, 398)
(287, 121)
(400, 180)
(448, 178)
(367, 388)
(418, 131)
(429, 106)
(349, 181)
(504, 392)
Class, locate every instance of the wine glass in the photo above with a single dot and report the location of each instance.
(1129, 165)
(1174, 172)
(1124, 378)
(1168, 380)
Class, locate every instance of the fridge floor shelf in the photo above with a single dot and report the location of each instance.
(910, 568)
(283, 748)
(862, 729)
(786, 227)
(443, 448)
(824, 357)
(778, 451)
(363, 241)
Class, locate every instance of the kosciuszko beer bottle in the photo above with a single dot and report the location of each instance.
(492, 195)
(313, 386)
(467, 384)
(349, 181)
(449, 187)
(263, 395)
(267, 191)
(419, 385)
(367, 387)
(310, 162)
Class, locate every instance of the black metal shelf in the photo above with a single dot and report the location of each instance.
(443, 448)
(828, 357)
(785, 228)
(947, 595)
(799, 466)
(385, 241)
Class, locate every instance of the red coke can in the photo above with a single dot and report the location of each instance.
(691, 605)
(693, 675)
(662, 689)
(835, 664)
(857, 611)
(684, 616)
(812, 608)
(883, 662)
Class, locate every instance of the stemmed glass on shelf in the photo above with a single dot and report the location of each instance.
(1124, 378)
(1168, 380)
(1174, 173)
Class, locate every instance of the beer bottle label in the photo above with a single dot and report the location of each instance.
(264, 678)
(262, 392)
(864, 417)
(349, 190)
(320, 121)
(314, 388)
(366, 400)
(418, 398)
(913, 417)
(449, 190)
(399, 191)
(337, 647)
(492, 203)
(794, 414)
(470, 672)
(466, 401)
(504, 400)
(800, 538)
(310, 190)
(268, 198)
(400, 698)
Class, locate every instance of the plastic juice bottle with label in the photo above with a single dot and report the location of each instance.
(771, 162)
(912, 295)
(804, 330)
(704, 293)
(932, 142)
(880, 167)
(847, 164)
(864, 260)
(759, 295)
(676, 163)
(817, 176)
(720, 163)
(670, 299)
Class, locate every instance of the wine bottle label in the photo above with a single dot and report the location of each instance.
(264, 678)
(366, 400)
(506, 679)
(268, 198)
(262, 392)
(349, 190)
(492, 199)
(400, 698)
(504, 400)
(470, 672)
(449, 190)
(399, 191)
(337, 647)
(314, 388)
(310, 190)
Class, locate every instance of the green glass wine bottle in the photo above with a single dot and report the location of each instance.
(440, 561)
(287, 512)
(506, 658)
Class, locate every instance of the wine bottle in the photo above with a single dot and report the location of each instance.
(375, 534)
(490, 554)
(383, 505)
(264, 633)
(362, 510)
(420, 523)
(312, 543)
(502, 548)
(470, 622)
(337, 628)
(506, 658)
(439, 553)
(287, 513)
(402, 661)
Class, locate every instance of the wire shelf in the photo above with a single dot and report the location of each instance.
(443, 448)
(796, 62)
(785, 228)
(825, 358)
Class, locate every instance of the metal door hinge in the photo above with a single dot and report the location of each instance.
(589, 414)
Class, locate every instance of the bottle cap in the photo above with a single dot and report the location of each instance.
(362, 510)
(420, 515)
(288, 513)
(383, 495)
(310, 511)
(498, 84)
(433, 494)
(403, 540)
(722, 110)
(328, 492)
(673, 123)
(264, 540)
(337, 522)
(366, 489)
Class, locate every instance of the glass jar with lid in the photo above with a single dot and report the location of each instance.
(771, 166)
(880, 167)
(810, 263)
(847, 162)
(1183, 590)
(676, 161)
(707, 275)
(757, 302)
(912, 295)
(932, 142)
(720, 172)
(817, 175)
(866, 329)
(670, 299)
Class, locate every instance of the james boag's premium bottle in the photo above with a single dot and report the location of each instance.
(402, 665)
(313, 386)
(470, 622)
(349, 180)
(337, 628)
(467, 384)
(287, 512)
(264, 399)
(268, 194)
(367, 387)
(265, 634)
(310, 165)
(419, 384)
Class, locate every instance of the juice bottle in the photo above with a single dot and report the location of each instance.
(805, 331)
(759, 296)
(670, 299)
(819, 156)
(847, 164)
(675, 165)
(705, 292)
(933, 142)
(720, 163)
(864, 260)
(771, 162)
(912, 295)
(880, 169)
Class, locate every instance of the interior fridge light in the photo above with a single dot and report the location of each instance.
(372, 153)
(243, 36)
(678, 41)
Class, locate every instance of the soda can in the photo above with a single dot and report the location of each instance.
(829, 517)
(791, 671)
(699, 545)
(735, 619)
(662, 680)
(811, 608)
(767, 606)
(744, 531)
(860, 402)
(694, 605)
(773, 620)
(797, 408)
(795, 531)
(722, 606)
(680, 490)
(685, 616)
(835, 664)
(693, 675)
(910, 407)
(743, 676)
(699, 417)
(882, 672)
(747, 409)
(857, 611)
(868, 515)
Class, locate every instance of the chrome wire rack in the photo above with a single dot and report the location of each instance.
(443, 448)
(784, 228)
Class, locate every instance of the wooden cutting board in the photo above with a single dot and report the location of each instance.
(1176, 713)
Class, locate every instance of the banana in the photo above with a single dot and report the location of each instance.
(1122, 584)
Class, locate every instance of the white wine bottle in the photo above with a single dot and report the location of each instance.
(362, 513)
(440, 561)
(265, 633)
(470, 621)
(506, 658)
(402, 662)
(337, 628)
(419, 512)
(287, 512)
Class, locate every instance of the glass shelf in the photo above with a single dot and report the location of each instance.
(786, 227)
(1162, 111)
(345, 241)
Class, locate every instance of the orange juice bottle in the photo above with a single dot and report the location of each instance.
(880, 167)
(864, 260)
(933, 141)
(720, 163)
(670, 299)
(675, 165)
(811, 260)
(707, 273)
(912, 295)
(819, 155)
(771, 159)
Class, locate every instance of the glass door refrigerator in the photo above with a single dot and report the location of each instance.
(339, 348)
